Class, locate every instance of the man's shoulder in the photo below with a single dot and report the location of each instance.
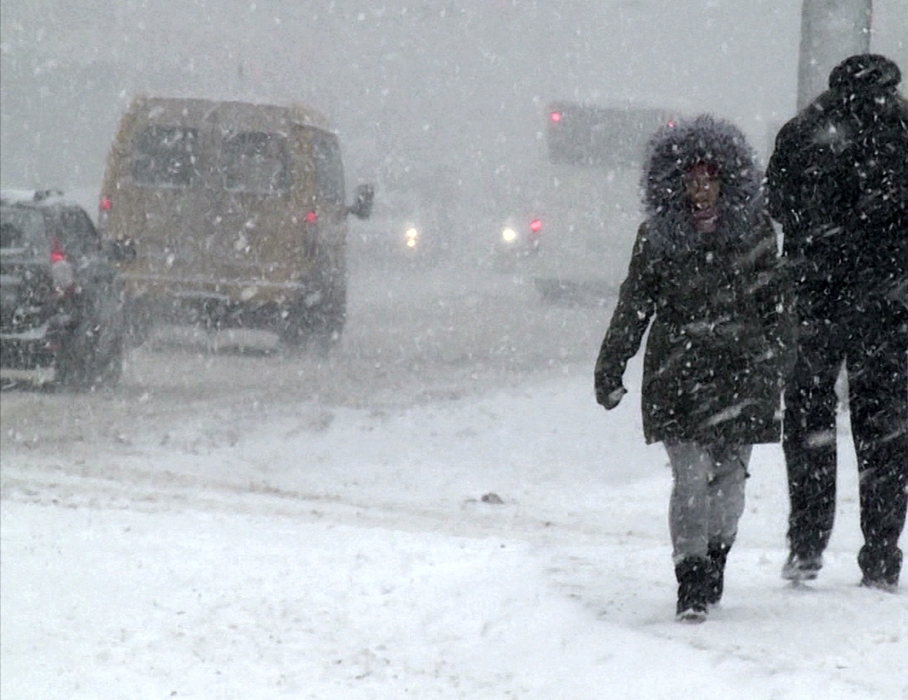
(801, 127)
(826, 107)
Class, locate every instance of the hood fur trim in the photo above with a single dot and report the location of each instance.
(673, 150)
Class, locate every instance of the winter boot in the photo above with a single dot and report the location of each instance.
(693, 574)
(802, 567)
(880, 568)
(718, 554)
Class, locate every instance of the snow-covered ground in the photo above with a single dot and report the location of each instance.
(235, 522)
(345, 553)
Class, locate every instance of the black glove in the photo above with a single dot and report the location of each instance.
(608, 392)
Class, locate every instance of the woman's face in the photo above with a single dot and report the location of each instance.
(702, 188)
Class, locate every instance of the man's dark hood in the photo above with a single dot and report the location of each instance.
(672, 151)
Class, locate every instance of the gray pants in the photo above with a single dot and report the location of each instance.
(707, 495)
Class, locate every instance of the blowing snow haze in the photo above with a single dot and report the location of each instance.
(412, 85)
(235, 519)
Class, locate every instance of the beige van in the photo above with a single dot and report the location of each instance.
(230, 214)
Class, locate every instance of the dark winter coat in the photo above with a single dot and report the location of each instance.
(712, 361)
(838, 183)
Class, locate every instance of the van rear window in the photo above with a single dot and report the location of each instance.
(256, 161)
(329, 170)
(166, 156)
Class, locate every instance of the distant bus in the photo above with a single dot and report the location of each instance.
(589, 199)
(600, 137)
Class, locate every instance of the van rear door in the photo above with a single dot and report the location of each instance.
(255, 242)
(330, 191)
(167, 171)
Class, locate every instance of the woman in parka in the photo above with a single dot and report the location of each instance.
(705, 271)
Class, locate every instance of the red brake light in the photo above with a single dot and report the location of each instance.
(535, 225)
(56, 252)
(61, 269)
(311, 217)
(105, 204)
(555, 117)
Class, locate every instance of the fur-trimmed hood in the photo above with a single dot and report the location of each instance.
(670, 153)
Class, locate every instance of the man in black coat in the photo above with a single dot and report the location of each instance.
(838, 183)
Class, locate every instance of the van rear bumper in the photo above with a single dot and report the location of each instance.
(158, 287)
(224, 305)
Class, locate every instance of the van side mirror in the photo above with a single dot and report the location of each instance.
(121, 250)
(362, 207)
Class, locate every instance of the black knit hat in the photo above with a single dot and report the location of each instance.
(866, 72)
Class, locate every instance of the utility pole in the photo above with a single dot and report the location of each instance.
(831, 30)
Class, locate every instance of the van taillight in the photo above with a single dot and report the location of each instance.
(103, 214)
(310, 243)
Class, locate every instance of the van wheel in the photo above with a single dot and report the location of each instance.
(319, 327)
(328, 323)
(290, 331)
(137, 323)
(323, 343)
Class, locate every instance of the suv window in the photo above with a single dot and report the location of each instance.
(329, 170)
(256, 161)
(21, 228)
(11, 236)
(166, 156)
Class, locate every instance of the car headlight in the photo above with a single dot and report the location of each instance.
(412, 236)
(508, 234)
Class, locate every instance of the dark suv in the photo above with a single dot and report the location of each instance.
(61, 298)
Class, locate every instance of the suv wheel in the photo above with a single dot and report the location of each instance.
(84, 364)
(92, 356)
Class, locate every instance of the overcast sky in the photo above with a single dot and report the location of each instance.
(408, 83)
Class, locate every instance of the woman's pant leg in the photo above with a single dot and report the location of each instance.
(707, 496)
(688, 507)
(726, 493)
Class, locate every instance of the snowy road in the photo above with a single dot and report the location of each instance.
(247, 524)
(413, 335)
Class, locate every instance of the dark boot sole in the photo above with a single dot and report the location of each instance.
(692, 617)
